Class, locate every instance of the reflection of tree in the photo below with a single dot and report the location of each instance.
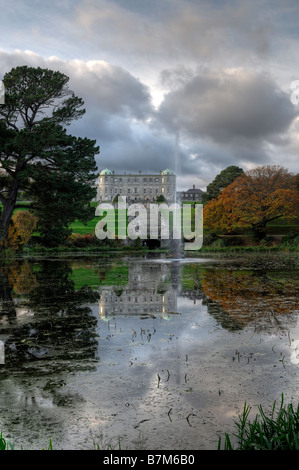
(21, 277)
(55, 336)
(15, 278)
(62, 326)
(251, 297)
(7, 304)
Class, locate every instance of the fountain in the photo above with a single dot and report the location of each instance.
(176, 251)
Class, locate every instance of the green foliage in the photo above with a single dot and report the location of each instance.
(290, 240)
(62, 194)
(160, 199)
(222, 180)
(4, 444)
(52, 236)
(56, 170)
(7, 445)
(278, 431)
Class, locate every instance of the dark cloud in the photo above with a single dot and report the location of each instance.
(238, 106)
(207, 119)
(118, 107)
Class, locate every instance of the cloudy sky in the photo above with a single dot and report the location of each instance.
(190, 85)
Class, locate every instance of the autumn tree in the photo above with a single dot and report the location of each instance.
(21, 228)
(254, 199)
(36, 150)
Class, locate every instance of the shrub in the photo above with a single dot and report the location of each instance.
(21, 228)
(290, 240)
(81, 240)
(209, 238)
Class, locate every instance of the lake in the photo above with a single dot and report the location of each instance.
(146, 351)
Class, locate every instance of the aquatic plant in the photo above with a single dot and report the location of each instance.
(4, 444)
(279, 431)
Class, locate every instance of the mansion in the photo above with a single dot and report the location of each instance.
(143, 188)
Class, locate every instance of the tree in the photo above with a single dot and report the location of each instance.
(254, 199)
(160, 199)
(222, 180)
(36, 153)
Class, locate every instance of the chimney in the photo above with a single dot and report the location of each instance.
(194, 186)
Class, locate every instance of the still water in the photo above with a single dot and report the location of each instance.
(153, 353)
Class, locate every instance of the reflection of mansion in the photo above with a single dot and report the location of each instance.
(136, 187)
(145, 293)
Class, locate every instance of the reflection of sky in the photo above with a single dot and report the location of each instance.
(151, 373)
(192, 365)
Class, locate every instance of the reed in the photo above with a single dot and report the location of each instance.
(278, 431)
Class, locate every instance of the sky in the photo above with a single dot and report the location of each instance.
(190, 85)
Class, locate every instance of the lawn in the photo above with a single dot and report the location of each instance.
(277, 227)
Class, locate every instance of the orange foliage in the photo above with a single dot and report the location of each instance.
(254, 199)
(22, 226)
(13, 239)
(21, 277)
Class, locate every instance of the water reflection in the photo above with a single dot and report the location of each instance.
(151, 289)
(120, 346)
(44, 316)
(266, 301)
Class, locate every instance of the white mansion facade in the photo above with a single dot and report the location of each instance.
(136, 187)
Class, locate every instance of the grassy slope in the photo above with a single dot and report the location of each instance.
(277, 227)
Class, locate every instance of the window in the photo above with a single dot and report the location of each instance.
(135, 189)
(163, 179)
(129, 190)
